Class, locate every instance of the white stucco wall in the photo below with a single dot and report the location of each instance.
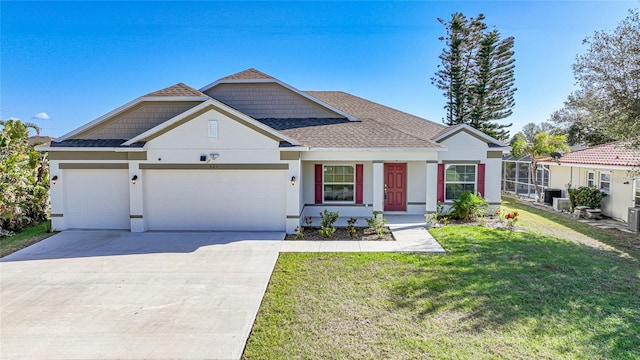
(236, 143)
(464, 147)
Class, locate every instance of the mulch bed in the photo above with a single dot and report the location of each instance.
(341, 234)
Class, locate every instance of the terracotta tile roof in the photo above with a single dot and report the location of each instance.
(379, 126)
(177, 90)
(249, 74)
(613, 154)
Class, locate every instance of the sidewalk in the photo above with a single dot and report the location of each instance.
(409, 232)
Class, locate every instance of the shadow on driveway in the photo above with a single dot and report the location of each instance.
(91, 243)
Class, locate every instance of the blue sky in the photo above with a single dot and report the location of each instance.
(64, 64)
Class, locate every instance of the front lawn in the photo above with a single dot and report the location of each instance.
(497, 294)
(24, 238)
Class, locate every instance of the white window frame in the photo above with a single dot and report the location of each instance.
(606, 191)
(636, 192)
(591, 182)
(475, 180)
(324, 201)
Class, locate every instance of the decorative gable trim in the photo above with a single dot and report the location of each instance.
(203, 108)
(452, 131)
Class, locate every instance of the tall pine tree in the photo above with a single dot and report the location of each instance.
(476, 75)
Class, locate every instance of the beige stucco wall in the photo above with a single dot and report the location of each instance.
(268, 100)
(137, 120)
(620, 196)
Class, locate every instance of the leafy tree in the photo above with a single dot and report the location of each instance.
(577, 122)
(608, 76)
(476, 75)
(531, 129)
(24, 179)
(540, 146)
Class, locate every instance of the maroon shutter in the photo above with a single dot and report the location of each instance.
(318, 183)
(440, 182)
(481, 179)
(359, 176)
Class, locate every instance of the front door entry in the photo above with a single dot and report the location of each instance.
(395, 187)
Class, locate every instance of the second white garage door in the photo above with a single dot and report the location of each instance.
(215, 200)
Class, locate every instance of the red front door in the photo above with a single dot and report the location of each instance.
(395, 187)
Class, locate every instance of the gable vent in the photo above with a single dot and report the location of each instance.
(213, 129)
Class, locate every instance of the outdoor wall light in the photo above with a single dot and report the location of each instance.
(134, 179)
(293, 180)
(54, 179)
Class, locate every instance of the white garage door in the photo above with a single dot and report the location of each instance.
(215, 200)
(96, 199)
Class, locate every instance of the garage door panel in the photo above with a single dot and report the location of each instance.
(215, 200)
(96, 199)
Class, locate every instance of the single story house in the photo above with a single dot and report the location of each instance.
(611, 167)
(250, 152)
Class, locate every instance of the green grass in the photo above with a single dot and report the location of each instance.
(26, 237)
(497, 294)
(560, 225)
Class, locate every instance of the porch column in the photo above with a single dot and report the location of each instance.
(136, 201)
(294, 195)
(378, 186)
(432, 186)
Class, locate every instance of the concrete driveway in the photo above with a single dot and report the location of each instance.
(119, 295)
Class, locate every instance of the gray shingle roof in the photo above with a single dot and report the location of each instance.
(177, 90)
(249, 74)
(93, 143)
(379, 126)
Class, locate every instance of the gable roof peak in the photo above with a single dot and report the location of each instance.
(249, 74)
(177, 90)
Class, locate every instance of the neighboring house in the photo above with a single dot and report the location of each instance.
(40, 140)
(611, 168)
(249, 152)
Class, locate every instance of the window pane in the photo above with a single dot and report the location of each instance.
(605, 177)
(338, 174)
(338, 192)
(510, 170)
(451, 173)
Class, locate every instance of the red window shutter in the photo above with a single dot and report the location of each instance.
(481, 179)
(441, 182)
(359, 176)
(318, 183)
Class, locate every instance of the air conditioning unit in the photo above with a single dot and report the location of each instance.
(634, 219)
(561, 204)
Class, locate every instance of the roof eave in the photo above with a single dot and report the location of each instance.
(124, 107)
(383, 149)
(214, 103)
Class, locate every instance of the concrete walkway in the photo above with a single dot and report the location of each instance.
(409, 232)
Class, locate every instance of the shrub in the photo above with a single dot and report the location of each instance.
(327, 232)
(326, 226)
(24, 178)
(586, 196)
(469, 206)
(378, 224)
(351, 228)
